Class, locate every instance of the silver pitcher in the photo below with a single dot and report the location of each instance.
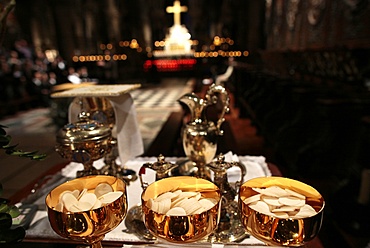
(200, 135)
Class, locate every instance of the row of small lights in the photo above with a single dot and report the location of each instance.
(217, 41)
(133, 44)
(118, 57)
(162, 43)
(221, 53)
(93, 58)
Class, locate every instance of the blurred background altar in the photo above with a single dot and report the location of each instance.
(299, 78)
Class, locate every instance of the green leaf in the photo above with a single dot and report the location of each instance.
(9, 147)
(39, 157)
(4, 208)
(22, 153)
(14, 211)
(5, 141)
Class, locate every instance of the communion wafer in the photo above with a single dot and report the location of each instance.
(191, 206)
(153, 205)
(110, 197)
(187, 194)
(206, 203)
(76, 193)
(102, 188)
(279, 202)
(292, 201)
(167, 195)
(293, 193)
(179, 203)
(89, 198)
(260, 206)
(68, 200)
(306, 210)
(285, 183)
(164, 205)
(76, 201)
(285, 209)
(87, 201)
(252, 198)
(81, 193)
(64, 192)
(84, 206)
(283, 215)
(272, 191)
(97, 204)
(59, 207)
(176, 211)
(271, 200)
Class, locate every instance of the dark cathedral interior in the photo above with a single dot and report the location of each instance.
(297, 72)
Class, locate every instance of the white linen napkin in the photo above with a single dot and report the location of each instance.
(256, 166)
(130, 142)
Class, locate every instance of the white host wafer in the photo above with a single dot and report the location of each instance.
(110, 197)
(164, 205)
(68, 200)
(283, 215)
(59, 207)
(76, 193)
(279, 202)
(178, 202)
(252, 198)
(260, 206)
(102, 189)
(84, 206)
(177, 211)
(292, 201)
(64, 192)
(206, 203)
(306, 211)
(89, 198)
(168, 195)
(285, 209)
(293, 193)
(272, 200)
(188, 201)
(274, 191)
(80, 201)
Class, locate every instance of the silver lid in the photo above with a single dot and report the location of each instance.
(85, 130)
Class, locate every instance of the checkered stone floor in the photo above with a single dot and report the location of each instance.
(160, 97)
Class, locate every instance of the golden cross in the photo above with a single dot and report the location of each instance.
(176, 9)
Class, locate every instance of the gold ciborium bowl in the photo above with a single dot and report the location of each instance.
(172, 212)
(281, 211)
(87, 226)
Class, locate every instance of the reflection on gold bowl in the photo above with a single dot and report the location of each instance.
(87, 226)
(281, 231)
(181, 228)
